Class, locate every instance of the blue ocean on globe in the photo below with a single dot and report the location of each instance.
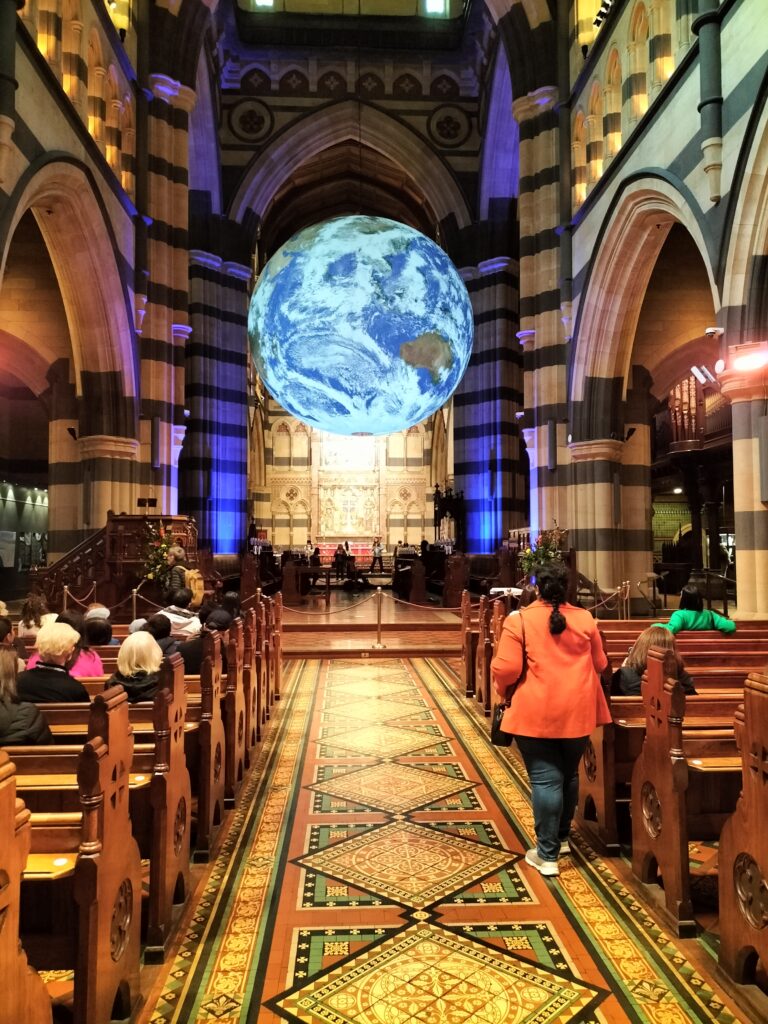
(360, 325)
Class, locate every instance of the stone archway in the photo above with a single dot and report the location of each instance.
(612, 366)
(84, 363)
(82, 248)
(337, 123)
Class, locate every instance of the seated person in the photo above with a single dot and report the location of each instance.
(159, 626)
(50, 681)
(184, 623)
(692, 614)
(192, 650)
(231, 603)
(138, 667)
(626, 680)
(98, 633)
(21, 723)
(6, 639)
(100, 611)
(34, 614)
(85, 662)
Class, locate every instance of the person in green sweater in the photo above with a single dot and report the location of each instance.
(693, 615)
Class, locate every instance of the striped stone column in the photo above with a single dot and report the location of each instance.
(486, 438)
(596, 509)
(215, 460)
(746, 391)
(108, 468)
(541, 329)
(65, 528)
(165, 325)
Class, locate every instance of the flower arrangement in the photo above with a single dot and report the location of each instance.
(549, 547)
(157, 543)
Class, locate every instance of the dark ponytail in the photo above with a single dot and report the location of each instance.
(552, 581)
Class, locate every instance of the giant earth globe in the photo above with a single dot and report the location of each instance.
(360, 325)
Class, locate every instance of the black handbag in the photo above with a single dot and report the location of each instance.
(500, 738)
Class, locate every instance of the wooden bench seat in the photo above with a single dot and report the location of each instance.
(672, 804)
(159, 792)
(24, 998)
(88, 918)
(605, 771)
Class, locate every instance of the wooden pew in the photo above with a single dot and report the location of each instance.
(87, 913)
(743, 849)
(275, 629)
(684, 784)
(483, 656)
(469, 637)
(233, 711)
(210, 760)
(161, 815)
(24, 993)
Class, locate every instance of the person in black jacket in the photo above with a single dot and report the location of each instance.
(192, 650)
(21, 723)
(626, 680)
(49, 682)
(159, 626)
(138, 667)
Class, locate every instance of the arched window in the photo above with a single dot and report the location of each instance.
(637, 83)
(96, 79)
(612, 106)
(595, 134)
(72, 35)
(686, 11)
(663, 63)
(49, 34)
(281, 445)
(127, 146)
(300, 447)
(414, 448)
(579, 160)
(112, 134)
(585, 21)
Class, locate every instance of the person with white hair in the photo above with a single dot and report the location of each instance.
(138, 667)
(49, 682)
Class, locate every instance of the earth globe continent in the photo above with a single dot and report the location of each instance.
(360, 325)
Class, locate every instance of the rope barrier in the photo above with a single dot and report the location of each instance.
(422, 607)
(83, 602)
(337, 611)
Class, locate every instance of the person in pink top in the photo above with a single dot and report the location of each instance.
(86, 662)
(548, 661)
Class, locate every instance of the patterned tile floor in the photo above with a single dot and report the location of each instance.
(373, 874)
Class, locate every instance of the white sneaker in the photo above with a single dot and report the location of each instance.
(548, 868)
(565, 848)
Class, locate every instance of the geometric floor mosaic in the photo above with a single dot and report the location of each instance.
(391, 787)
(374, 873)
(429, 974)
(411, 864)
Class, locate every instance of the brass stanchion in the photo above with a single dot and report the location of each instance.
(134, 592)
(380, 597)
(65, 599)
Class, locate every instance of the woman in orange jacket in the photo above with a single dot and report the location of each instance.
(549, 659)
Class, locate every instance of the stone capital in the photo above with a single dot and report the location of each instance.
(103, 446)
(181, 333)
(205, 259)
(604, 449)
(525, 337)
(743, 385)
(238, 270)
(468, 273)
(535, 103)
(172, 92)
(495, 265)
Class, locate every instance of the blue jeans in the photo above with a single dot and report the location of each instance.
(553, 770)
